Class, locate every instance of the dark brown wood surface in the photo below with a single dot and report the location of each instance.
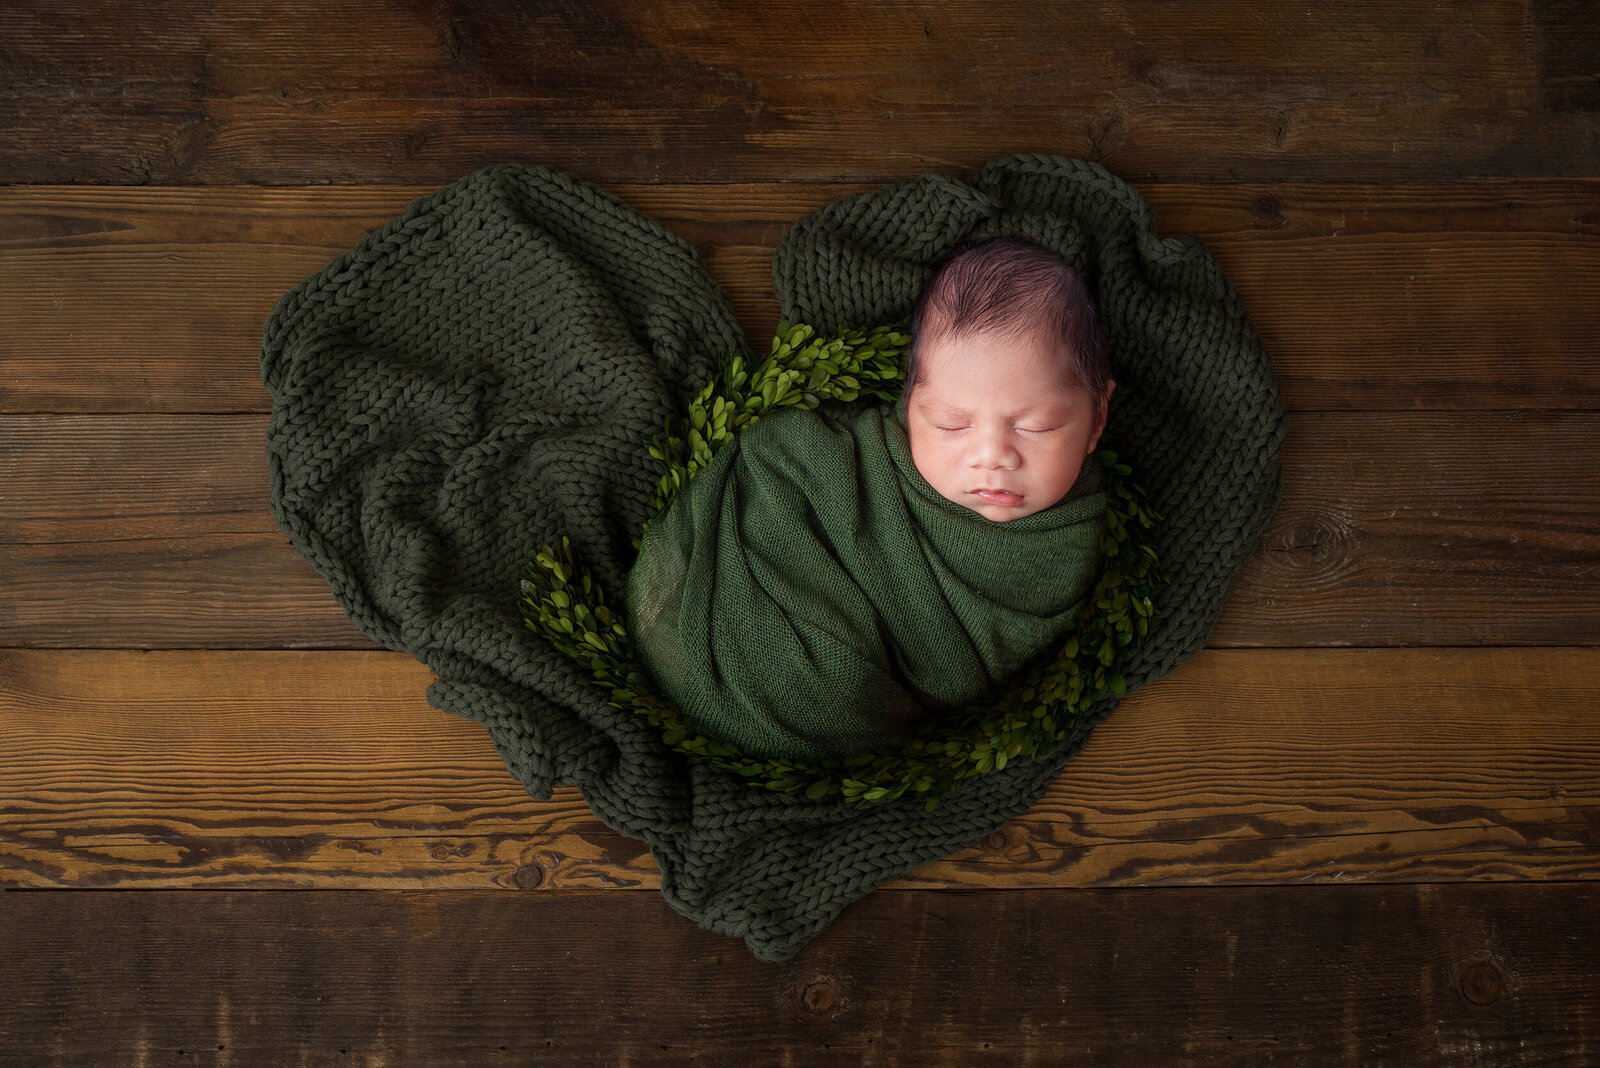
(1463, 973)
(300, 92)
(1367, 296)
(1361, 827)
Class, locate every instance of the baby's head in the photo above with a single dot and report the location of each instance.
(1007, 379)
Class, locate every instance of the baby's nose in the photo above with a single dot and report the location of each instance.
(994, 451)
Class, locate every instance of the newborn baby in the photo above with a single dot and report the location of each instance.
(828, 580)
(1007, 381)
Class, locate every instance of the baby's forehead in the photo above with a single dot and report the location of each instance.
(1019, 337)
(1057, 370)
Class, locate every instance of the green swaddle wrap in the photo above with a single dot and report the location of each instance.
(809, 595)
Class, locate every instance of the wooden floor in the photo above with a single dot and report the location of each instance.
(1361, 827)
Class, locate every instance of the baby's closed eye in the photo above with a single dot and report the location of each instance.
(1025, 429)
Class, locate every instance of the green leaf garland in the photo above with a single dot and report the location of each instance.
(563, 603)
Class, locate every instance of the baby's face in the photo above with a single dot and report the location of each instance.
(997, 425)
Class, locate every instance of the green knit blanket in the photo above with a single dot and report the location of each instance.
(482, 375)
(809, 596)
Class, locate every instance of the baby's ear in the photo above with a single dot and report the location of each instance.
(1100, 416)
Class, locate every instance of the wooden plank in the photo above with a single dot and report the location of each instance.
(153, 528)
(1567, 38)
(265, 770)
(1396, 528)
(295, 92)
(1428, 529)
(1480, 294)
(1464, 974)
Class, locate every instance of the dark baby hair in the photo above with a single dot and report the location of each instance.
(1010, 286)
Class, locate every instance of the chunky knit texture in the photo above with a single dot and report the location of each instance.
(480, 377)
(809, 595)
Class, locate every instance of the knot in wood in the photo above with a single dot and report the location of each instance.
(1482, 982)
(820, 995)
(529, 876)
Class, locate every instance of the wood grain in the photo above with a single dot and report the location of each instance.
(1427, 529)
(328, 770)
(1396, 528)
(1450, 975)
(99, 530)
(1482, 294)
(292, 91)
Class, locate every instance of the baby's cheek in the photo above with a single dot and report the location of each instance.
(932, 465)
(921, 457)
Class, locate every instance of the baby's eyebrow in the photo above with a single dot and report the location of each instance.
(944, 409)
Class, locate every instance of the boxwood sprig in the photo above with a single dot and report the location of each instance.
(803, 369)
